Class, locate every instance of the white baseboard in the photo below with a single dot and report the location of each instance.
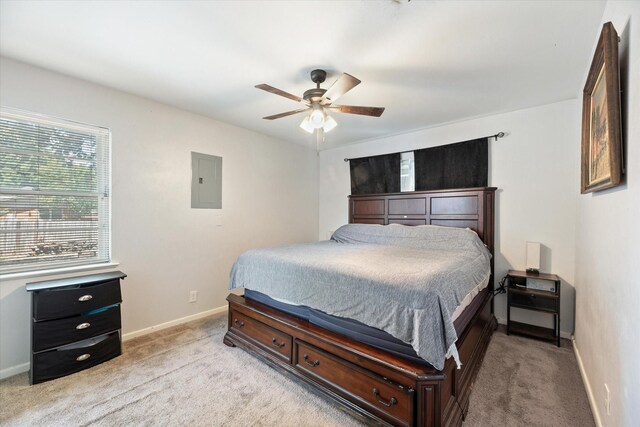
(24, 367)
(161, 326)
(585, 381)
(14, 370)
(563, 334)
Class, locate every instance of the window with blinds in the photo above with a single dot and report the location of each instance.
(54, 193)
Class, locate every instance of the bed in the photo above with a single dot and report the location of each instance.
(375, 383)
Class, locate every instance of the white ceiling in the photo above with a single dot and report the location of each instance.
(427, 62)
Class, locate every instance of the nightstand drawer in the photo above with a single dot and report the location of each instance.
(56, 303)
(54, 333)
(75, 357)
(531, 300)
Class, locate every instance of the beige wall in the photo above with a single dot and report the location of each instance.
(608, 254)
(269, 197)
(534, 168)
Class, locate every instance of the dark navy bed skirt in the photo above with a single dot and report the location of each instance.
(347, 327)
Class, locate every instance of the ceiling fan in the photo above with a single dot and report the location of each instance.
(320, 102)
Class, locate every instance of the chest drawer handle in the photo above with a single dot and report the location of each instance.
(83, 357)
(83, 325)
(312, 364)
(391, 401)
(273, 340)
(85, 298)
(238, 323)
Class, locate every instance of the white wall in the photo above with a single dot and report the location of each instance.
(534, 168)
(269, 197)
(608, 254)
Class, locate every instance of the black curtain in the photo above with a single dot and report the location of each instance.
(377, 174)
(459, 165)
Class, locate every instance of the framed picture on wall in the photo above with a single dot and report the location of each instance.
(601, 165)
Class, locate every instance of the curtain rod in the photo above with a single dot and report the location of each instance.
(496, 136)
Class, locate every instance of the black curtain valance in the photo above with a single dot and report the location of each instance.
(459, 165)
(377, 174)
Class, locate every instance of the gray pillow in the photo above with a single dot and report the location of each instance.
(428, 237)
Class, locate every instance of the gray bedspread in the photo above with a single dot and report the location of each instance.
(406, 281)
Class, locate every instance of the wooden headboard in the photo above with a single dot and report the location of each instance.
(465, 207)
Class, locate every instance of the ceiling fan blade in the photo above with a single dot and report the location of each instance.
(344, 84)
(277, 91)
(288, 113)
(363, 111)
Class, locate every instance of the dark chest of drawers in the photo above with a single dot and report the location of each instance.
(75, 324)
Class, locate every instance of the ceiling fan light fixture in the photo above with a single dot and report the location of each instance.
(319, 101)
(306, 125)
(317, 118)
(329, 123)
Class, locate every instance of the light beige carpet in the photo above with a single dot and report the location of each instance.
(524, 382)
(186, 376)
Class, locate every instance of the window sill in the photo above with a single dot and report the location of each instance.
(55, 271)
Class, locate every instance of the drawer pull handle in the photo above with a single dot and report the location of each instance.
(312, 364)
(83, 325)
(83, 357)
(85, 298)
(238, 323)
(273, 340)
(391, 401)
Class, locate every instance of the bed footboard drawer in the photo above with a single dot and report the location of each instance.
(271, 339)
(386, 399)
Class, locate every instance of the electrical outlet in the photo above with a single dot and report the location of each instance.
(193, 296)
(607, 400)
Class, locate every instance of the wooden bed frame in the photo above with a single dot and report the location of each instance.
(373, 385)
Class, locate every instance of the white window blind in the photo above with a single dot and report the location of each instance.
(54, 193)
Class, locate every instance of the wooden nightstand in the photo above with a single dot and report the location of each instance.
(546, 299)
